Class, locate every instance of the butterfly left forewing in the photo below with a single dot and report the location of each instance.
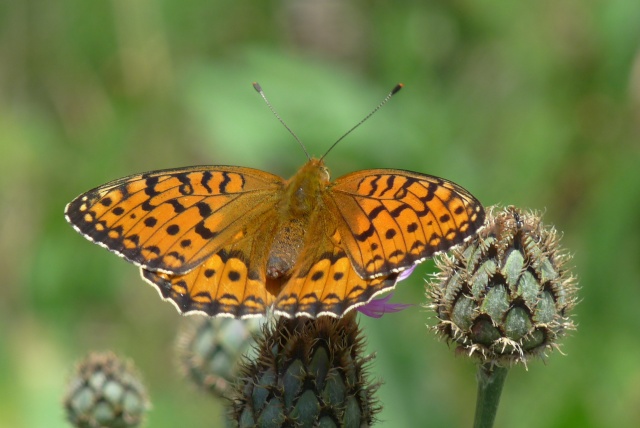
(172, 220)
(391, 219)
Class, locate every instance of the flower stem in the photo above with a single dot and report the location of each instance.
(490, 382)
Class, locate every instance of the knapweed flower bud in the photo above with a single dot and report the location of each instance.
(105, 392)
(309, 372)
(506, 294)
(210, 349)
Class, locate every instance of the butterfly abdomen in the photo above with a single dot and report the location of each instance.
(286, 247)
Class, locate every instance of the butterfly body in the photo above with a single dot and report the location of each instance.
(301, 200)
(234, 241)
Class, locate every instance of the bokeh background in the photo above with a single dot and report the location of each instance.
(535, 104)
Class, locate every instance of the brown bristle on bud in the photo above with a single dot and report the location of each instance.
(506, 294)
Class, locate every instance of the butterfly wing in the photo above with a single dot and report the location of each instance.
(324, 281)
(231, 282)
(172, 220)
(391, 219)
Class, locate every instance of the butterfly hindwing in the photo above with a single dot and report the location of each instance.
(393, 219)
(324, 281)
(231, 282)
(172, 220)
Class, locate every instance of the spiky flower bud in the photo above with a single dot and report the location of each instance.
(105, 392)
(309, 372)
(210, 349)
(506, 294)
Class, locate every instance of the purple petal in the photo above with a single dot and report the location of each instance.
(405, 274)
(378, 307)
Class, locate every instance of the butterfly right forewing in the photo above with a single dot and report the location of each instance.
(392, 219)
(172, 220)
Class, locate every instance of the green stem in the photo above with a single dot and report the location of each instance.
(490, 382)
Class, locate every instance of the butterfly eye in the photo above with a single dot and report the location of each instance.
(325, 171)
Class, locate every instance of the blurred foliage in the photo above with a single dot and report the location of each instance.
(535, 104)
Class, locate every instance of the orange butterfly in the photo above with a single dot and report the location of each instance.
(234, 241)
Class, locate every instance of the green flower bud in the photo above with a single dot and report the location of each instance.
(210, 349)
(506, 294)
(105, 392)
(309, 372)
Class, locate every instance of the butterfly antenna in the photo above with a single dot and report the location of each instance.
(384, 101)
(258, 88)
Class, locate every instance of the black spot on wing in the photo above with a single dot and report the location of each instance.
(373, 184)
(375, 212)
(204, 209)
(366, 234)
(227, 296)
(204, 232)
(177, 206)
(357, 290)
(176, 255)
(203, 294)
(181, 284)
(153, 249)
(147, 205)
(395, 213)
(417, 245)
(150, 186)
(225, 181)
(118, 230)
(185, 188)
(150, 221)
(396, 253)
(373, 260)
(432, 187)
(390, 180)
(135, 239)
(206, 177)
(173, 229)
(401, 193)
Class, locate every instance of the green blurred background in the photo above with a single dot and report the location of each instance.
(535, 104)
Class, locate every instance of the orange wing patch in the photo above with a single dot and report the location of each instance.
(324, 281)
(223, 284)
(171, 221)
(393, 219)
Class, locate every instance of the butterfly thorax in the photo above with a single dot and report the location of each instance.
(297, 209)
(304, 190)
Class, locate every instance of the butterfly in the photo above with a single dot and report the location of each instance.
(236, 241)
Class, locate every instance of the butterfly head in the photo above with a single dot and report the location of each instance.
(306, 186)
